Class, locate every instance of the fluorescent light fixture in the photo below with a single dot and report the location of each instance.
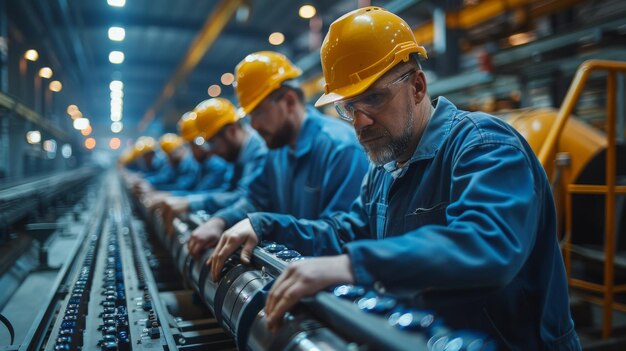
(81, 123)
(116, 127)
(116, 3)
(117, 33)
(116, 57)
(116, 85)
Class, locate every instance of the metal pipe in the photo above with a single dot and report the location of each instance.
(609, 225)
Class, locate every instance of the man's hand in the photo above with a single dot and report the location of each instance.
(155, 199)
(206, 235)
(305, 278)
(240, 234)
(173, 207)
(141, 186)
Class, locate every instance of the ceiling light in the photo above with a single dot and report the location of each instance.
(116, 127)
(33, 137)
(227, 78)
(276, 38)
(86, 131)
(215, 90)
(242, 15)
(50, 145)
(66, 150)
(56, 86)
(116, 57)
(307, 11)
(90, 143)
(76, 114)
(81, 123)
(116, 116)
(31, 55)
(71, 109)
(116, 3)
(45, 72)
(115, 143)
(117, 33)
(116, 85)
(116, 109)
(521, 38)
(117, 94)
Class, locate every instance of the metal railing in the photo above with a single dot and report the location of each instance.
(607, 288)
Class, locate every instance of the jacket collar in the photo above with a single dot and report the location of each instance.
(436, 131)
(308, 131)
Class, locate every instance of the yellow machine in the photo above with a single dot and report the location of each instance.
(587, 168)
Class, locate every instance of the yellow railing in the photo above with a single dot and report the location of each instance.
(608, 288)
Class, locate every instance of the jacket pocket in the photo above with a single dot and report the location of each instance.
(425, 215)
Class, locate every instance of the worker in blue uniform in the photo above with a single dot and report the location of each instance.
(146, 161)
(307, 153)
(215, 172)
(456, 209)
(216, 126)
(183, 171)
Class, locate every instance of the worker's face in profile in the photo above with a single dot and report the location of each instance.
(149, 158)
(269, 118)
(176, 156)
(383, 116)
(200, 153)
(222, 144)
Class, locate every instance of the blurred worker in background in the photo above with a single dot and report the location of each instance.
(149, 161)
(456, 210)
(315, 164)
(146, 160)
(181, 173)
(214, 171)
(218, 128)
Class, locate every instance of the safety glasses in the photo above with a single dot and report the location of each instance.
(372, 101)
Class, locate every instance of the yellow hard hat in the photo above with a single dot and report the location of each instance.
(213, 114)
(128, 156)
(187, 127)
(144, 145)
(170, 142)
(259, 74)
(360, 47)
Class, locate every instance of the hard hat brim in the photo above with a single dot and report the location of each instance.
(347, 92)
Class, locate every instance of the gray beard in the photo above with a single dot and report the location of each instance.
(392, 151)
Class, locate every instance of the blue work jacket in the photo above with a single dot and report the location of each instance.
(158, 163)
(183, 177)
(215, 173)
(467, 228)
(318, 176)
(248, 166)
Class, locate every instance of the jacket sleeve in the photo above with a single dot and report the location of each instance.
(164, 176)
(185, 179)
(325, 236)
(492, 220)
(253, 199)
(215, 201)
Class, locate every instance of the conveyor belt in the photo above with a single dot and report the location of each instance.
(128, 286)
